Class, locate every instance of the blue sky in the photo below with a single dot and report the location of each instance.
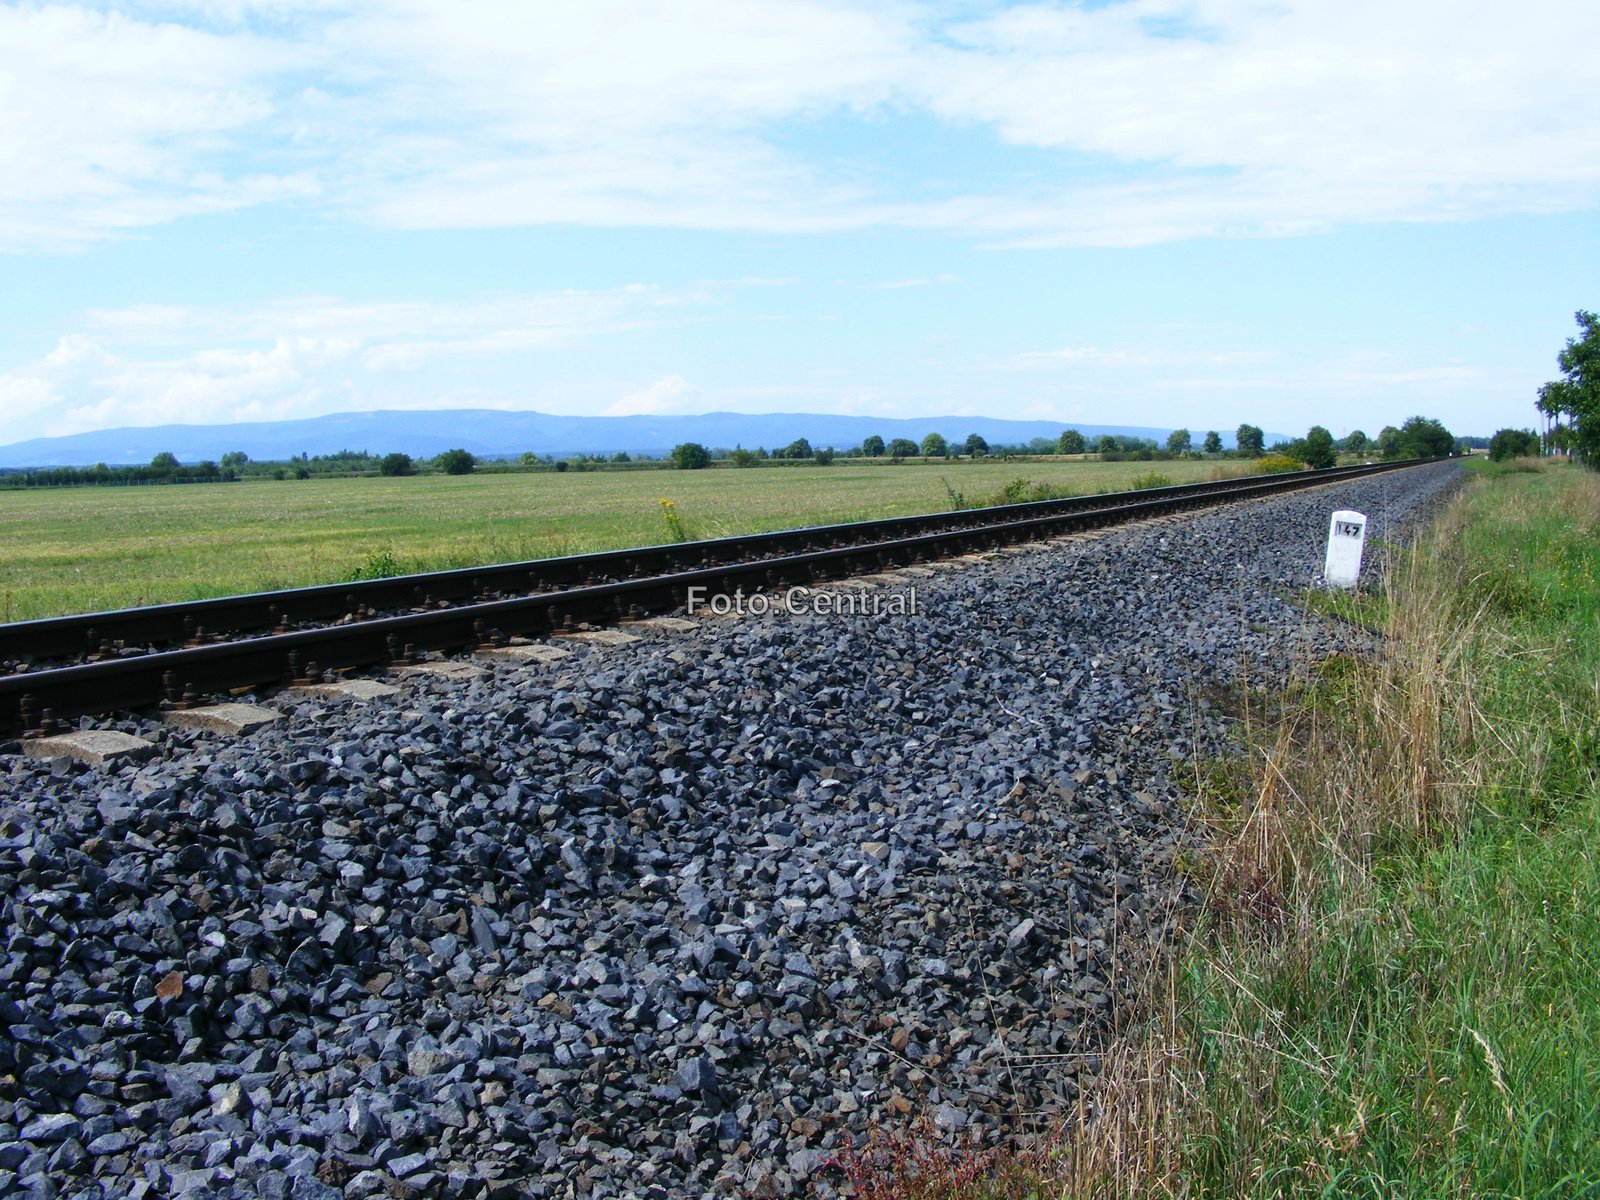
(1150, 213)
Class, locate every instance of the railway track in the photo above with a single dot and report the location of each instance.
(177, 654)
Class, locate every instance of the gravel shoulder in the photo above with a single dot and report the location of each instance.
(662, 919)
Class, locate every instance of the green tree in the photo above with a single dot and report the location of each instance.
(1356, 443)
(1576, 395)
(1213, 443)
(902, 448)
(233, 460)
(1178, 441)
(1250, 440)
(934, 446)
(1316, 448)
(1106, 444)
(1513, 443)
(744, 458)
(395, 464)
(622, 456)
(975, 446)
(1070, 442)
(1422, 437)
(165, 464)
(799, 448)
(872, 447)
(690, 456)
(824, 456)
(455, 462)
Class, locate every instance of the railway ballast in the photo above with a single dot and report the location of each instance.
(668, 918)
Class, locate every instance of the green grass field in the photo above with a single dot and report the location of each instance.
(86, 549)
(1390, 985)
(1422, 1015)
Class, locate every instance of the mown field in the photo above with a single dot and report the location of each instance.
(87, 549)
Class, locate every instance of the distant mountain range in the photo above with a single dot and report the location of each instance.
(492, 433)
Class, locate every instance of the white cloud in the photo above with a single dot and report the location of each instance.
(671, 394)
(1171, 118)
(1068, 354)
(1143, 359)
(112, 122)
(1172, 384)
(896, 284)
(157, 364)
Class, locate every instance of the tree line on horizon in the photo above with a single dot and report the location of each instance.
(1418, 437)
(1571, 406)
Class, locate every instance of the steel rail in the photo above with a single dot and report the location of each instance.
(197, 622)
(184, 676)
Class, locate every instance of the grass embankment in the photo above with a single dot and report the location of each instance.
(1392, 987)
(86, 549)
(1397, 991)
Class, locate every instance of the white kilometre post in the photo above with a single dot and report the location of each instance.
(1347, 535)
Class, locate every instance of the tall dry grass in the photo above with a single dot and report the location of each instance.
(1238, 469)
(1350, 760)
